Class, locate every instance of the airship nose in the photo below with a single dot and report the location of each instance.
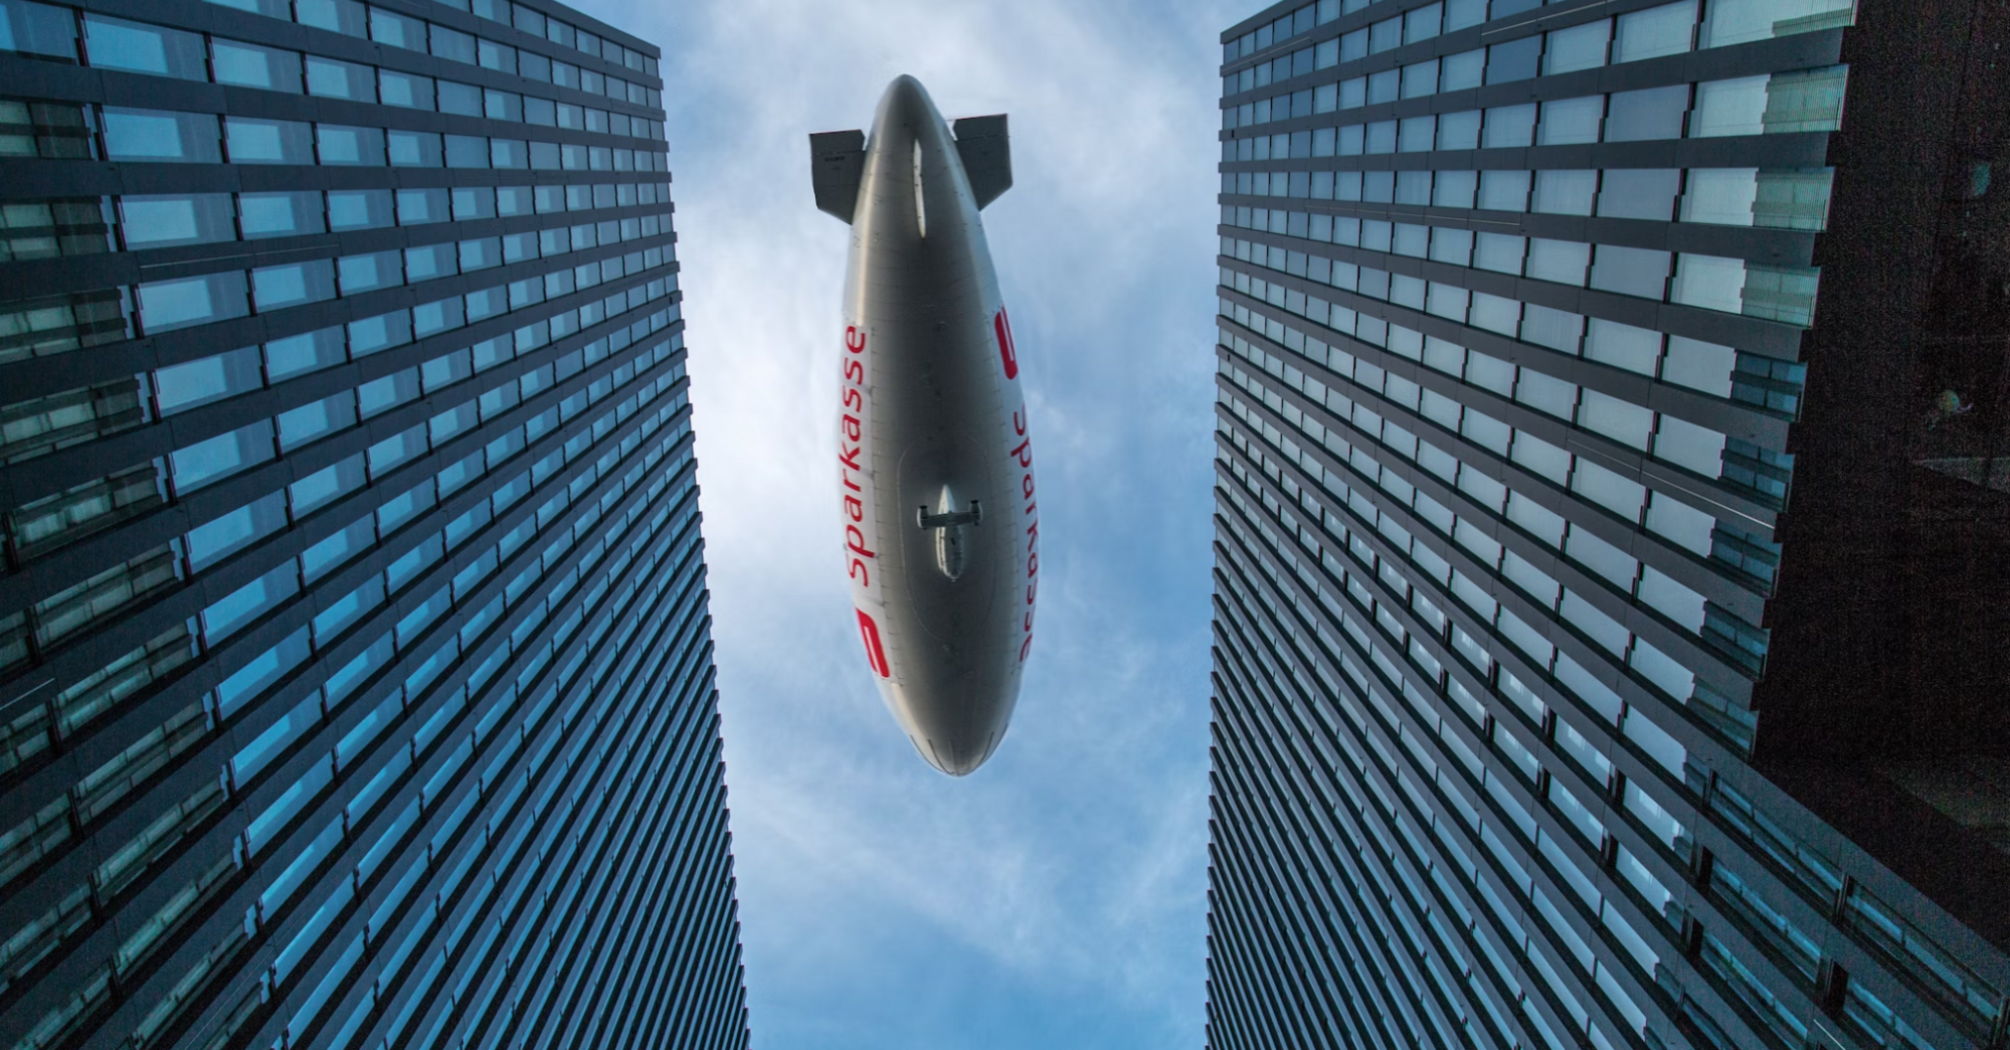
(905, 104)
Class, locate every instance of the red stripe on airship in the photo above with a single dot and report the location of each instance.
(869, 631)
(1003, 327)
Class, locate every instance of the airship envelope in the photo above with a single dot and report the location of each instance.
(935, 461)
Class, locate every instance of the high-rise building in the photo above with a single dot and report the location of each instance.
(1611, 532)
(355, 680)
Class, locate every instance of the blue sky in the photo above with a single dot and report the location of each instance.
(1056, 897)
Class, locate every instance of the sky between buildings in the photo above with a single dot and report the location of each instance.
(1057, 896)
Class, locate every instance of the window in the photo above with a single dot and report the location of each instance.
(279, 214)
(406, 90)
(315, 420)
(423, 206)
(474, 202)
(1385, 35)
(221, 456)
(428, 262)
(1556, 329)
(1510, 126)
(1723, 196)
(467, 151)
(513, 153)
(1579, 47)
(148, 135)
(1730, 107)
(1653, 113)
(1764, 19)
(328, 78)
(359, 209)
(276, 287)
(1560, 261)
(480, 254)
(1564, 192)
(255, 599)
(372, 334)
(1690, 446)
(462, 99)
(1504, 190)
(502, 105)
(1571, 120)
(516, 200)
(346, 145)
(1657, 31)
(1639, 193)
(323, 486)
(1499, 252)
(1806, 100)
(215, 540)
(178, 388)
(415, 149)
(341, 16)
(252, 141)
(38, 29)
(1699, 365)
(362, 273)
(299, 354)
(114, 43)
(1423, 23)
(180, 303)
(1631, 271)
(397, 30)
(440, 316)
(162, 221)
(1710, 282)
(248, 65)
(1515, 60)
(452, 45)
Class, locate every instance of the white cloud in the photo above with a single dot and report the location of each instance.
(1060, 890)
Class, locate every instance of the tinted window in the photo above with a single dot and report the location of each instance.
(1655, 113)
(221, 456)
(248, 65)
(406, 89)
(415, 149)
(268, 141)
(279, 214)
(178, 388)
(1515, 60)
(345, 145)
(307, 352)
(463, 99)
(160, 221)
(148, 135)
(359, 209)
(114, 43)
(180, 303)
(275, 287)
(332, 79)
(39, 29)
(1639, 193)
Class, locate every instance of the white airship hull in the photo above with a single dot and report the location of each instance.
(935, 459)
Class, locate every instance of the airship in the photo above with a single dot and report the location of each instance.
(934, 458)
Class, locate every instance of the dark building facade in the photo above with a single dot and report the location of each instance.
(1611, 534)
(355, 677)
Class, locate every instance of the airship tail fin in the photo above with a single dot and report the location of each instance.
(837, 164)
(987, 156)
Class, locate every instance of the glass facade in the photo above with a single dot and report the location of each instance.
(355, 675)
(1511, 349)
